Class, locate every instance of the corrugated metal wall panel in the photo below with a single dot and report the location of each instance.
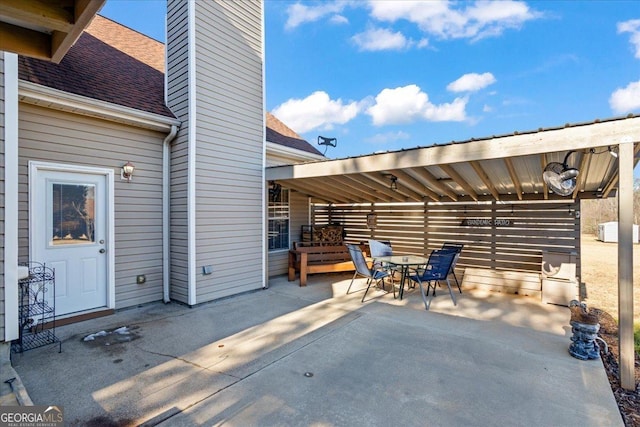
(54, 136)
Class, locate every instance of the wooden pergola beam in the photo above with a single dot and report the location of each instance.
(383, 179)
(582, 176)
(44, 29)
(449, 170)
(428, 180)
(415, 185)
(613, 182)
(345, 186)
(376, 186)
(25, 41)
(563, 139)
(514, 177)
(40, 14)
(378, 196)
(485, 179)
(543, 164)
(313, 191)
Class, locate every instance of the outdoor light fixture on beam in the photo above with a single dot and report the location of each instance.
(126, 173)
(394, 183)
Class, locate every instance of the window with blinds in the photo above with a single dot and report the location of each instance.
(279, 220)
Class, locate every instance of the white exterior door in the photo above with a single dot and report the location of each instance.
(69, 221)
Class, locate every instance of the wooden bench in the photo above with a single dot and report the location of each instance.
(318, 258)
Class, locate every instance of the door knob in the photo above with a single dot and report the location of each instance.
(102, 251)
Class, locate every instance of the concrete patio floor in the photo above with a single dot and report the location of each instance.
(296, 356)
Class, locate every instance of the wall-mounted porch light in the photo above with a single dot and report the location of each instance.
(126, 173)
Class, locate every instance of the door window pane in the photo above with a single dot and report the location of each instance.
(73, 214)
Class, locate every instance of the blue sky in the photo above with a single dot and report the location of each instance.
(381, 75)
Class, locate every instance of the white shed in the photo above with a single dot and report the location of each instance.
(608, 232)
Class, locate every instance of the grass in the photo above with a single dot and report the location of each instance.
(636, 337)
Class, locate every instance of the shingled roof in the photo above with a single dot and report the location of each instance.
(279, 133)
(116, 64)
(98, 70)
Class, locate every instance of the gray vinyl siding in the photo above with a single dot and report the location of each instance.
(2, 308)
(58, 137)
(229, 150)
(298, 216)
(178, 101)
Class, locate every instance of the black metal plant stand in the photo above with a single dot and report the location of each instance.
(37, 314)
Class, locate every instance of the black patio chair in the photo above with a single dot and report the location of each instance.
(436, 270)
(378, 248)
(362, 269)
(458, 247)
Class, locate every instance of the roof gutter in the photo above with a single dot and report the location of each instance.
(36, 94)
(292, 153)
(166, 211)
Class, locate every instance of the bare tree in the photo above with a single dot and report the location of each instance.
(597, 211)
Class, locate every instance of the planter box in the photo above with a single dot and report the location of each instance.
(560, 292)
(511, 282)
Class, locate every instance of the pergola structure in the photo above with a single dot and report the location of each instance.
(44, 29)
(498, 168)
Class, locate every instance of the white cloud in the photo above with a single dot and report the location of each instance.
(625, 100)
(487, 108)
(375, 39)
(441, 18)
(384, 138)
(380, 39)
(422, 43)
(339, 19)
(409, 103)
(448, 112)
(316, 111)
(300, 14)
(471, 82)
(632, 26)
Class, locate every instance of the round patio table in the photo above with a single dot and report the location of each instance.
(404, 262)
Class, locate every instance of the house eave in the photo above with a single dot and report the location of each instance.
(33, 93)
(292, 153)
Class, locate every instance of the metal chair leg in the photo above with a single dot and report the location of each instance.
(365, 292)
(352, 279)
(369, 285)
(424, 297)
(455, 277)
(393, 286)
(453, 298)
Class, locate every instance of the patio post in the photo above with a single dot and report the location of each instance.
(625, 264)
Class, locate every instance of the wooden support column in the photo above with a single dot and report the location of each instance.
(625, 265)
(425, 225)
(372, 231)
(494, 229)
